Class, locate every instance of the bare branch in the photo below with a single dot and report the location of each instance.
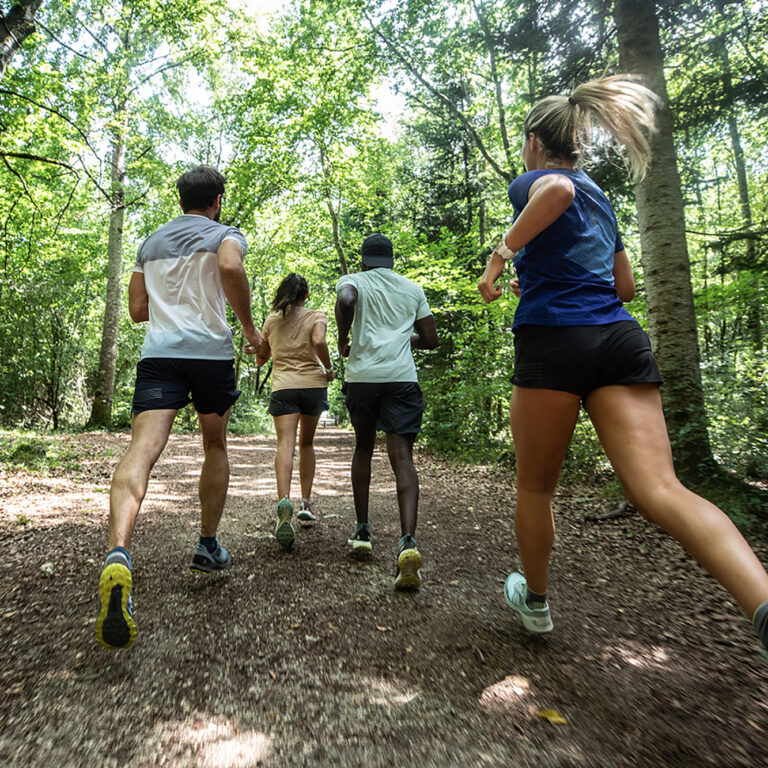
(64, 45)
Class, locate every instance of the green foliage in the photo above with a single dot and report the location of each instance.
(288, 108)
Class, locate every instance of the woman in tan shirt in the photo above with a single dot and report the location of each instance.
(294, 337)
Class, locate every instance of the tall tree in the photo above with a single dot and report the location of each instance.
(15, 27)
(666, 266)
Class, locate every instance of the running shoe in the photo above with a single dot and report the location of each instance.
(360, 543)
(408, 564)
(304, 515)
(115, 627)
(535, 617)
(204, 561)
(284, 532)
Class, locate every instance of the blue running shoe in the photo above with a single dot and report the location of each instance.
(204, 561)
(535, 618)
(284, 532)
(115, 627)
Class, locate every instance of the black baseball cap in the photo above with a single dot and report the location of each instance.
(376, 251)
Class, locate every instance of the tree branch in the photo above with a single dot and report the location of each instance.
(506, 175)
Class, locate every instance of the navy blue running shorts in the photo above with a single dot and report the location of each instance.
(581, 358)
(168, 382)
(309, 401)
(395, 407)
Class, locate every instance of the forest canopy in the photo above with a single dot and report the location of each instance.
(333, 119)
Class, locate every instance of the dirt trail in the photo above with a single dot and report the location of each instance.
(310, 658)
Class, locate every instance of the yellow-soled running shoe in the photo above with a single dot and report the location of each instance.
(408, 564)
(115, 627)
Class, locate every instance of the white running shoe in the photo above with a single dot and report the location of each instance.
(535, 619)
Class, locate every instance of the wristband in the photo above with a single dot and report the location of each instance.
(505, 251)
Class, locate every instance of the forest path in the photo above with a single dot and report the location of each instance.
(310, 658)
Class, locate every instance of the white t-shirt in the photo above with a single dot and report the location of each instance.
(387, 307)
(187, 306)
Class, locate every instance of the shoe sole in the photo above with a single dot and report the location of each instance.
(533, 624)
(408, 566)
(360, 549)
(115, 627)
(203, 565)
(284, 532)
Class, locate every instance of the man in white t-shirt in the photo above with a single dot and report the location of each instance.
(383, 309)
(185, 273)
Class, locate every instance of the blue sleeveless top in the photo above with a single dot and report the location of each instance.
(566, 271)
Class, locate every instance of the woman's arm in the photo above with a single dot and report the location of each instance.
(321, 348)
(623, 277)
(548, 198)
(264, 351)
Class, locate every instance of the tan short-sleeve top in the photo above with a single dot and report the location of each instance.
(295, 364)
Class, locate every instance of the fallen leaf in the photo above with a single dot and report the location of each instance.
(383, 629)
(553, 716)
(272, 673)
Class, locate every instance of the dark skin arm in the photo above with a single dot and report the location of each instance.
(426, 334)
(346, 299)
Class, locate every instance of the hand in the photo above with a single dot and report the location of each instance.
(489, 291)
(330, 375)
(514, 284)
(344, 347)
(253, 339)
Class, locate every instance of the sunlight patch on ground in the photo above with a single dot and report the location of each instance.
(210, 743)
(636, 655)
(386, 693)
(508, 694)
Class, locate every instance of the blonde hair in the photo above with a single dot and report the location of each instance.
(619, 104)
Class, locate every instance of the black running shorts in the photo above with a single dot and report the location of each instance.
(309, 401)
(168, 382)
(581, 358)
(395, 407)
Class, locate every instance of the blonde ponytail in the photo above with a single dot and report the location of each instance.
(619, 104)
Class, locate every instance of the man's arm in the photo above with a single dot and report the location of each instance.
(321, 349)
(426, 333)
(346, 298)
(234, 281)
(138, 299)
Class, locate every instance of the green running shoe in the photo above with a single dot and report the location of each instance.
(284, 532)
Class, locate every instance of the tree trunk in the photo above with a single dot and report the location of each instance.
(15, 27)
(332, 211)
(666, 268)
(101, 411)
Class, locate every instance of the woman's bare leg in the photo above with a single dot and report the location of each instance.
(630, 424)
(308, 425)
(285, 428)
(542, 422)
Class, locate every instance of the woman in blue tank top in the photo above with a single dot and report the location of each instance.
(575, 343)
